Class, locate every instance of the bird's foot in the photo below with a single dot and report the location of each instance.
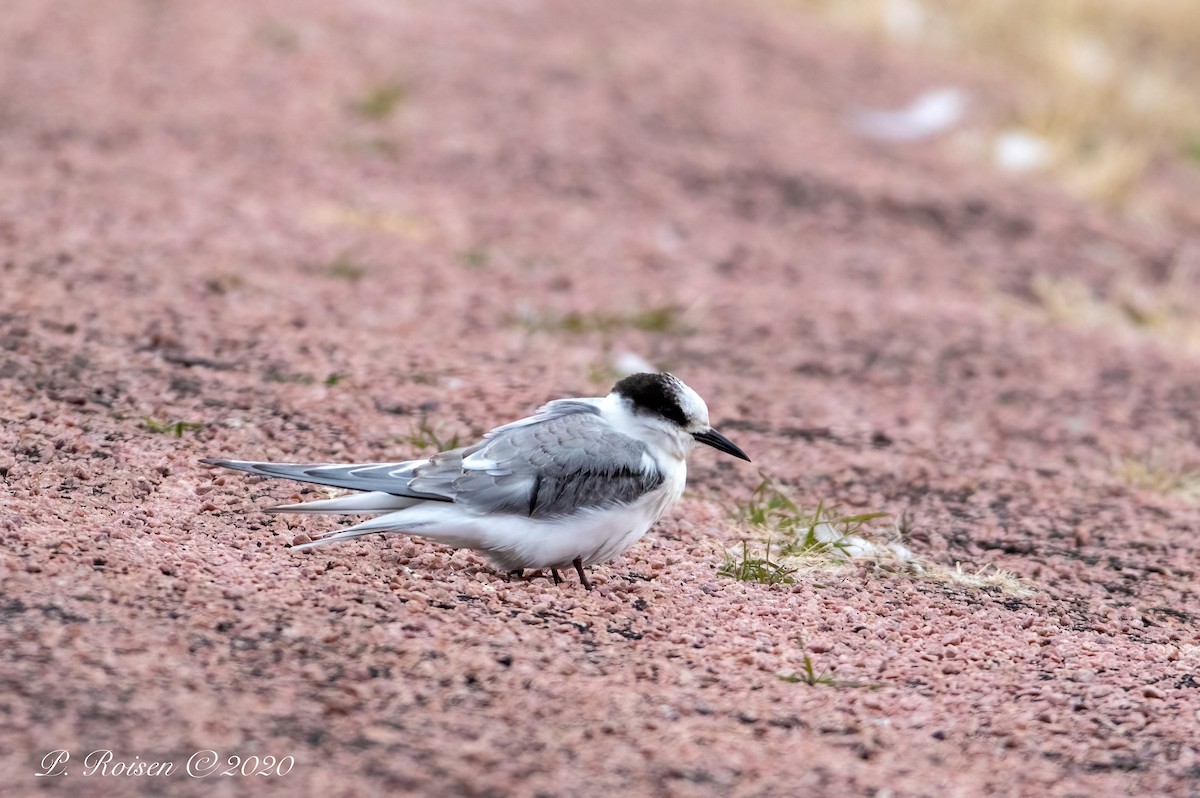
(557, 578)
(578, 563)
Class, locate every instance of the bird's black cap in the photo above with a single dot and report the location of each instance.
(656, 393)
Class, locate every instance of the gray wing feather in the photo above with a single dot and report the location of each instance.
(564, 458)
(386, 477)
(546, 469)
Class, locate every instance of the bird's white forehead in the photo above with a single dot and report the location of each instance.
(693, 407)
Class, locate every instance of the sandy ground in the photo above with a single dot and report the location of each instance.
(345, 231)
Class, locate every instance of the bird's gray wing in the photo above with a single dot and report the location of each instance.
(562, 459)
(543, 468)
(391, 478)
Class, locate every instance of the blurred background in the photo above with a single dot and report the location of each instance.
(1097, 93)
(933, 263)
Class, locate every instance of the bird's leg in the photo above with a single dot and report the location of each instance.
(554, 573)
(516, 573)
(578, 563)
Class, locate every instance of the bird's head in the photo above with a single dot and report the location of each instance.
(663, 399)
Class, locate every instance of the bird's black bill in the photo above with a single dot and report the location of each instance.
(720, 443)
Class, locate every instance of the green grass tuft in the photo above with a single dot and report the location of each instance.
(1191, 149)
(756, 569)
(1160, 474)
(344, 268)
(381, 102)
(662, 319)
(476, 258)
(274, 375)
(175, 427)
(809, 675)
(773, 511)
(827, 539)
(224, 283)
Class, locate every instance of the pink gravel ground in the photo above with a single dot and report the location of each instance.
(297, 229)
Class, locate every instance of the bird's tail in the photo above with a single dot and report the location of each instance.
(392, 522)
(418, 513)
(354, 503)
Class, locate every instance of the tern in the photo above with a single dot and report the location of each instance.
(577, 483)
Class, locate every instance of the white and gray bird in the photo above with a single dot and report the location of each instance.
(577, 483)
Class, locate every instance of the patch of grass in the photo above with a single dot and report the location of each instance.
(601, 372)
(224, 283)
(823, 533)
(1191, 149)
(1162, 312)
(344, 268)
(809, 675)
(423, 378)
(381, 101)
(762, 569)
(1156, 473)
(474, 258)
(425, 435)
(663, 319)
(333, 379)
(826, 539)
(286, 377)
(171, 427)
